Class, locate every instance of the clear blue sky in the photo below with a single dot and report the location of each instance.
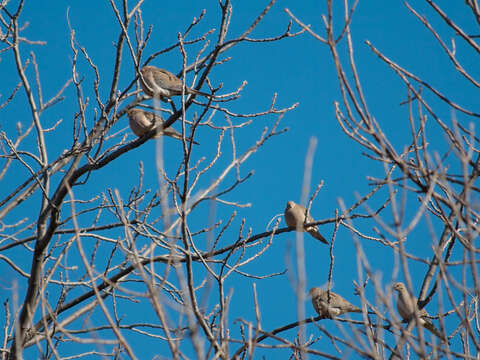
(298, 70)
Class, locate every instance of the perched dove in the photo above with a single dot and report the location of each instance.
(406, 304)
(160, 82)
(295, 217)
(142, 121)
(330, 306)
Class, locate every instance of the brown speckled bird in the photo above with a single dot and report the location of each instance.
(295, 217)
(406, 304)
(332, 305)
(162, 83)
(142, 121)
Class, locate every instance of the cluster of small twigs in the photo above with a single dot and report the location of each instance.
(146, 236)
(442, 178)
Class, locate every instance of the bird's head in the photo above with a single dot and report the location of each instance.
(133, 111)
(314, 292)
(398, 286)
(290, 205)
(144, 70)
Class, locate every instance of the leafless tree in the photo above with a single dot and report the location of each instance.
(443, 179)
(91, 255)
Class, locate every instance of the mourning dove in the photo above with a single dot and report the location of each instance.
(143, 121)
(295, 217)
(406, 308)
(332, 304)
(160, 82)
